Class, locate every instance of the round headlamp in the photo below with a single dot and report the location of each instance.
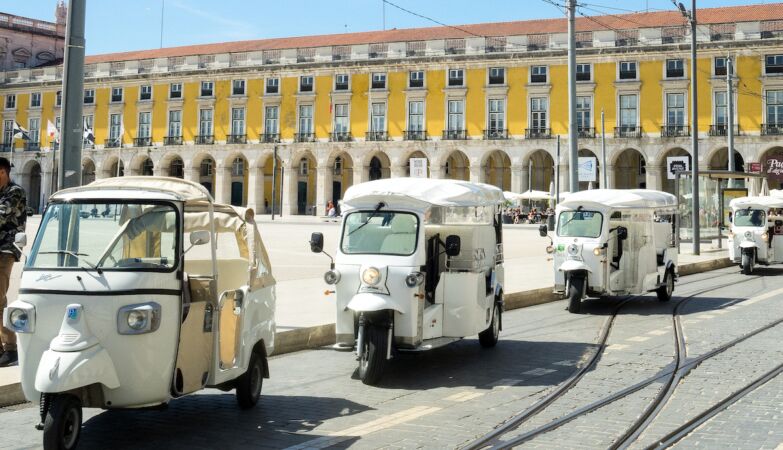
(765, 237)
(550, 249)
(414, 279)
(371, 276)
(573, 249)
(748, 235)
(19, 319)
(598, 251)
(332, 277)
(137, 319)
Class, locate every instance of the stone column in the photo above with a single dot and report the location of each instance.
(46, 187)
(289, 192)
(564, 178)
(223, 185)
(611, 177)
(158, 171)
(438, 171)
(360, 174)
(520, 178)
(475, 173)
(255, 178)
(398, 171)
(323, 189)
(653, 176)
(193, 174)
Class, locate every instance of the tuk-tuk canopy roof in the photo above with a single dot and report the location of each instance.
(176, 188)
(620, 199)
(422, 193)
(758, 202)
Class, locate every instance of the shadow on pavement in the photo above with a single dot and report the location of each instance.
(215, 421)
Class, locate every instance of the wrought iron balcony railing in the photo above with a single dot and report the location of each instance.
(627, 131)
(495, 133)
(304, 137)
(538, 133)
(205, 139)
(112, 143)
(376, 136)
(415, 135)
(675, 131)
(455, 135)
(340, 136)
(172, 140)
(270, 138)
(142, 142)
(723, 130)
(236, 139)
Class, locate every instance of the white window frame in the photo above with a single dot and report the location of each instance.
(461, 114)
(300, 118)
(620, 123)
(302, 79)
(142, 88)
(272, 82)
(114, 128)
(666, 69)
(144, 129)
(490, 70)
(666, 108)
(274, 121)
(238, 124)
(10, 98)
(121, 92)
(765, 117)
(378, 76)
(34, 130)
(8, 131)
(417, 75)
(34, 95)
(537, 113)
(345, 109)
(589, 69)
(409, 115)
(206, 85)
(448, 77)
(538, 68)
(175, 87)
(201, 122)
(620, 69)
(589, 111)
(178, 128)
(715, 107)
(373, 116)
(244, 87)
(84, 95)
(503, 102)
(347, 83)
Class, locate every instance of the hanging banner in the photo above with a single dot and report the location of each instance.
(588, 168)
(754, 167)
(773, 166)
(676, 164)
(418, 167)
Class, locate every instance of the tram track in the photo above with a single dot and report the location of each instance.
(680, 366)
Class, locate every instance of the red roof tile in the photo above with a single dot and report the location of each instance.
(732, 14)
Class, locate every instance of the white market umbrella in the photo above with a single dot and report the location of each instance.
(563, 195)
(590, 186)
(511, 196)
(776, 192)
(764, 188)
(535, 195)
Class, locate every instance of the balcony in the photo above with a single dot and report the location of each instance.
(270, 138)
(112, 143)
(772, 129)
(30, 146)
(205, 139)
(415, 135)
(495, 133)
(376, 136)
(723, 130)
(586, 132)
(236, 139)
(627, 131)
(675, 131)
(172, 140)
(538, 133)
(142, 142)
(455, 135)
(304, 137)
(340, 136)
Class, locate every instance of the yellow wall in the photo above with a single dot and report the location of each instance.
(322, 111)
(22, 102)
(604, 96)
(749, 111)
(436, 108)
(397, 107)
(516, 105)
(288, 113)
(475, 103)
(160, 111)
(360, 108)
(254, 124)
(558, 114)
(190, 111)
(651, 96)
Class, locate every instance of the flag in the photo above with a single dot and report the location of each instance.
(122, 130)
(52, 131)
(19, 132)
(88, 134)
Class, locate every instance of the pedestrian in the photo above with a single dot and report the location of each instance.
(13, 217)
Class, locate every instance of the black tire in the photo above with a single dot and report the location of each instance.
(63, 423)
(747, 263)
(248, 386)
(665, 292)
(373, 357)
(576, 288)
(489, 337)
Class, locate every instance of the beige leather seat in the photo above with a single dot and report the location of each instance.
(402, 239)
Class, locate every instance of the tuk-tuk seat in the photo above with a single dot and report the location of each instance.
(401, 241)
(232, 273)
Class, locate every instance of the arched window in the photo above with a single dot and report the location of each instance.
(304, 167)
(338, 166)
(206, 167)
(177, 168)
(146, 167)
(375, 169)
(238, 167)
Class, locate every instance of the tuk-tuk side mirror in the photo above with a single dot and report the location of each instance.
(20, 240)
(317, 242)
(199, 237)
(622, 233)
(453, 245)
(543, 230)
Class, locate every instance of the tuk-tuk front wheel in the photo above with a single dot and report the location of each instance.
(248, 385)
(576, 289)
(489, 337)
(665, 292)
(63, 423)
(747, 263)
(372, 356)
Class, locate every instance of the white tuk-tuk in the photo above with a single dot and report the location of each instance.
(612, 242)
(123, 305)
(419, 265)
(756, 235)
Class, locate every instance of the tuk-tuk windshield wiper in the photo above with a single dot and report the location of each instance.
(75, 255)
(373, 214)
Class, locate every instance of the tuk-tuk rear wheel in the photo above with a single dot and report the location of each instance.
(489, 337)
(63, 423)
(373, 356)
(576, 288)
(248, 386)
(747, 263)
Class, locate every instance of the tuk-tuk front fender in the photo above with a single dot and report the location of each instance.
(747, 245)
(65, 371)
(367, 302)
(573, 265)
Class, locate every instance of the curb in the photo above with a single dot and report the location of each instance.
(322, 335)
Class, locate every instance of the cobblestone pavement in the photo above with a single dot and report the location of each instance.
(449, 396)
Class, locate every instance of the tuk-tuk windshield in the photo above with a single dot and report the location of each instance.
(749, 218)
(580, 224)
(380, 232)
(107, 236)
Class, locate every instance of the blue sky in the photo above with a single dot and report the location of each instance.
(114, 26)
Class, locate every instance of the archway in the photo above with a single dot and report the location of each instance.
(772, 167)
(206, 174)
(88, 171)
(630, 170)
(379, 167)
(238, 181)
(541, 170)
(306, 169)
(720, 160)
(147, 167)
(596, 183)
(34, 189)
(176, 168)
(458, 166)
(342, 177)
(272, 193)
(496, 170)
(416, 154)
(668, 185)
(114, 170)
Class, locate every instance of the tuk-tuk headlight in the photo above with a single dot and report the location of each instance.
(332, 277)
(765, 237)
(414, 279)
(598, 251)
(749, 235)
(138, 319)
(371, 276)
(573, 249)
(550, 249)
(20, 320)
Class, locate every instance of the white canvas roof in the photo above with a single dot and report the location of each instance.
(620, 199)
(759, 202)
(177, 188)
(421, 193)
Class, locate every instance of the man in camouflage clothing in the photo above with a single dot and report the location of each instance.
(13, 217)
